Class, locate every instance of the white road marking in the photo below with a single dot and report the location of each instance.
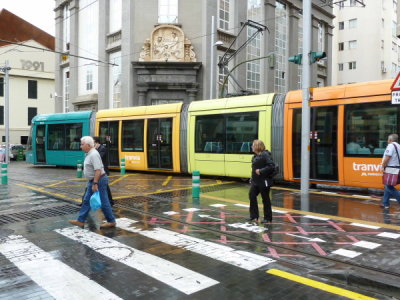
(390, 235)
(307, 238)
(209, 217)
(347, 253)
(242, 205)
(241, 259)
(316, 217)
(191, 209)
(218, 205)
(170, 213)
(365, 244)
(279, 211)
(365, 225)
(57, 278)
(248, 227)
(174, 275)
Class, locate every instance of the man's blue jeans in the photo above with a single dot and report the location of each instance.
(390, 190)
(105, 203)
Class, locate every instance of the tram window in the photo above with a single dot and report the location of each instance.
(210, 134)
(132, 135)
(56, 137)
(241, 131)
(73, 136)
(368, 126)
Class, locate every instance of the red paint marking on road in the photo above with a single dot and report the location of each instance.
(290, 218)
(301, 230)
(207, 222)
(265, 237)
(273, 252)
(353, 238)
(189, 218)
(227, 242)
(336, 226)
(360, 232)
(319, 249)
(155, 220)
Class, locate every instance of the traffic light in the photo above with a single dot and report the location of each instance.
(317, 56)
(296, 59)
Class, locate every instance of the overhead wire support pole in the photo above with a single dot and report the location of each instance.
(305, 112)
(6, 70)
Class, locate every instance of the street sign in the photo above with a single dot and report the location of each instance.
(395, 97)
(396, 84)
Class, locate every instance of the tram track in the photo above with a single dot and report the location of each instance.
(315, 266)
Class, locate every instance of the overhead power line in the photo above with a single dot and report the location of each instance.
(58, 52)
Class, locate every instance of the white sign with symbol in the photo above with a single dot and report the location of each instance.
(396, 97)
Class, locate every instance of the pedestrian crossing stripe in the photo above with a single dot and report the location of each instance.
(319, 285)
(238, 258)
(55, 277)
(174, 275)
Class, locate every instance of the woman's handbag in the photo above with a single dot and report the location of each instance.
(391, 174)
(95, 202)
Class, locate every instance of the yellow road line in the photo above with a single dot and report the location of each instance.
(41, 190)
(118, 179)
(319, 285)
(301, 212)
(57, 183)
(167, 180)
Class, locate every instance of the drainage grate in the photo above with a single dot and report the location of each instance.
(38, 214)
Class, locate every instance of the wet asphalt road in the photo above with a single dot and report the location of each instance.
(170, 246)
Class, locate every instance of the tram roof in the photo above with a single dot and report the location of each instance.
(345, 91)
(77, 115)
(140, 110)
(236, 102)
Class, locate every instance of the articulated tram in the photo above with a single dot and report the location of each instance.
(349, 129)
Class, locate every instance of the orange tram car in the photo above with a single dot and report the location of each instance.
(348, 134)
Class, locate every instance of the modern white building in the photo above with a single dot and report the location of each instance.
(31, 78)
(365, 42)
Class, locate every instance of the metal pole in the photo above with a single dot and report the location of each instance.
(305, 120)
(6, 111)
(212, 59)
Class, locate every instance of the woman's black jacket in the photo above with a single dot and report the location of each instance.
(262, 161)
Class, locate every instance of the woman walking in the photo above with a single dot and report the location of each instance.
(261, 181)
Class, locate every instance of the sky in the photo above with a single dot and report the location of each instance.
(37, 12)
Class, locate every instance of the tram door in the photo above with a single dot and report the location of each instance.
(159, 143)
(40, 143)
(323, 143)
(109, 134)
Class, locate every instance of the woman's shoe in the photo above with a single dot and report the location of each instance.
(265, 221)
(252, 220)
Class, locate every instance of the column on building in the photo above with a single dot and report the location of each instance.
(269, 45)
(59, 16)
(293, 47)
(73, 49)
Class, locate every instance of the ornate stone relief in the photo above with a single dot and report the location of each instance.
(167, 43)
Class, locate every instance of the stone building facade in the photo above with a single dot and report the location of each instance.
(124, 53)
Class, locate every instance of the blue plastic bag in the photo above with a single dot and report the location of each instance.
(95, 202)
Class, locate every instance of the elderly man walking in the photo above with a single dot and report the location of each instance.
(97, 181)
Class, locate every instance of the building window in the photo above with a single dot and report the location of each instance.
(1, 86)
(352, 65)
(253, 79)
(222, 73)
(115, 15)
(321, 36)
(340, 67)
(167, 11)
(1, 115)
(353, 23)
(115, 80)
(66, 91)
(341, 25)
(89, 78)
(24, 139)
(341, 46)
(352, 44)
(32, 112)
(281, 48)
(66, 22)
(32, 89)
(224, 14)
